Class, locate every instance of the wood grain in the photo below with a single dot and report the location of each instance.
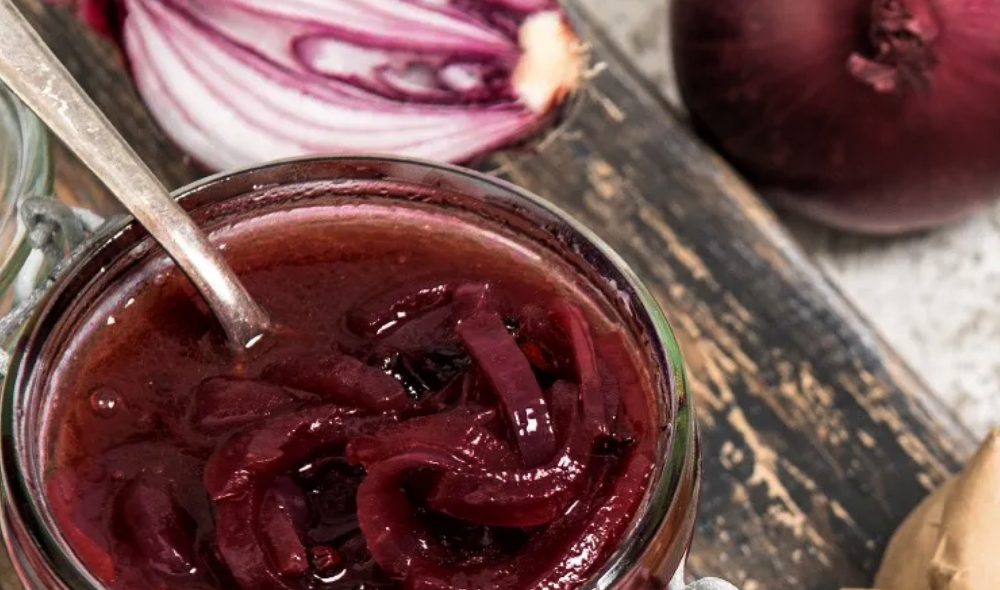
(818, 440)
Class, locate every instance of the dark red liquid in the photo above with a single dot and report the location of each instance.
(441, 407)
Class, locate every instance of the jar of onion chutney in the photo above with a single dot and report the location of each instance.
(465, 388)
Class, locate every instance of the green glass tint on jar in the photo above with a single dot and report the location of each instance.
(25, 172)
(37, 229)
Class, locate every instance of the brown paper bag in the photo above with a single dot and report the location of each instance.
(952, 540)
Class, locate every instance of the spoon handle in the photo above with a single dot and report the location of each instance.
(39, 79)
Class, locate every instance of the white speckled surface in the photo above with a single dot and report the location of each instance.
(935, 297)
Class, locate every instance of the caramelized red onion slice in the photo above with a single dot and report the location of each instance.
(340, 379)
(387, 518)
(219, 404)
(618, 374)
(156, 525)
(283, 513)
(391, 308)
(459, 431)
(505, 367)
(585, 364)
(241, 548)
(521, 498)
(562, 554)
(238, 82)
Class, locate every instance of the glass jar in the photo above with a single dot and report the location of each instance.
(25, 172)
(653, 550)
(37, 229)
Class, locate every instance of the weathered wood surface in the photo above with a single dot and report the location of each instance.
(818, 440)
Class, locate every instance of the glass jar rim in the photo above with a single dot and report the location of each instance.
(674, 483)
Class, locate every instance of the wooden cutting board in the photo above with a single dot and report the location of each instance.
(817, 439)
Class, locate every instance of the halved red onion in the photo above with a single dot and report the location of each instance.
(238, 82)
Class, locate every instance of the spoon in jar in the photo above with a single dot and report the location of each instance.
(30, 69)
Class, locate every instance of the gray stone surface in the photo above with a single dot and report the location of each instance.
(935, 297)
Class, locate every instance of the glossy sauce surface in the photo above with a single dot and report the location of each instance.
(441, 407)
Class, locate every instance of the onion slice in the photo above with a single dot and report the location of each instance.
(508, 372)
(340, 379)
(155, 523)
(585, 363)
(388, 520)
(515, 498)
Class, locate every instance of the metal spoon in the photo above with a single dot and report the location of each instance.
(39, 79)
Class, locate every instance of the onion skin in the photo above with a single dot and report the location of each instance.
(876, 116)
(239, 82)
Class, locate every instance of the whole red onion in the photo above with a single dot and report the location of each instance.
(878, 116)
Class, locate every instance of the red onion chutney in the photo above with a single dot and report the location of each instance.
(441, 406)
